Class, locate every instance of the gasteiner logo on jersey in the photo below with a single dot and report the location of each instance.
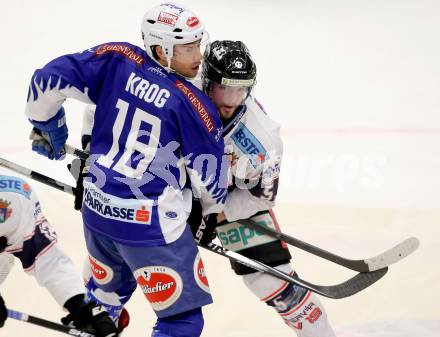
(120, 49)
(198, 105)
(167, 18)
(5, 210)
(192, 21)
(102, 274)
(200, 274)
(162, 286)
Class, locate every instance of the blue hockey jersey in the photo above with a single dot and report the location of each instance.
(156, 140)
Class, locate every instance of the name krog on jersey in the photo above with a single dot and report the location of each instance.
(155, 138)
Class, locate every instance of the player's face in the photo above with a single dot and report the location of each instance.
(227, 98)
(187, 58)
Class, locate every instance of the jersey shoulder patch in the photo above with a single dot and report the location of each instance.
(15, 185)
(121, 48)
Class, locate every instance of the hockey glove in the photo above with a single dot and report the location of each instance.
(79, 171)
(3, 243)
(3, 312)
(49, 137)
(89, 317)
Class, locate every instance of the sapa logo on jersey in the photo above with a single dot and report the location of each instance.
(102, 274)
(200, 274)
(167, 18)
(192, 21)
(162, 286)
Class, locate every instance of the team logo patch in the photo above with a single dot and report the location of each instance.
(162, 286)
(192, 21)
(167, 18)
(200, 274)
(120, 49)
(198, 105)
(102, 274)
(5, 210)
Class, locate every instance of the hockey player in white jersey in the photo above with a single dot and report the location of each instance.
(26, 234)
(254, 143)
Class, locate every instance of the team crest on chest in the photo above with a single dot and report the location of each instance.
(5, 210)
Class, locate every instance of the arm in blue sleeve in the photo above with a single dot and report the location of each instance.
(70, 76)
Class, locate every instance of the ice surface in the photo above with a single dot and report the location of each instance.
(355, 85)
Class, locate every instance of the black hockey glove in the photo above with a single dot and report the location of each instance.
(89, 317)
(203, 228)
(79, 171)
(3, 312)
(3, 243)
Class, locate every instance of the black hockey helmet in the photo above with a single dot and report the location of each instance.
(228, 63)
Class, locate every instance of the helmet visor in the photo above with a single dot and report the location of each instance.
(226, 95)
(189, 51)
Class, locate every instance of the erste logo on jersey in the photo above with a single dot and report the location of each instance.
(102, 274)
(200, 274)
(249, 144)
(5, 210)
(15, 185)
(120, 49)
(114, 208)
(162, 286)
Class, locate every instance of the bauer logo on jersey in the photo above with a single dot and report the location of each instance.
(200, 274)
(102, 274)
(236, 237)
(111, 207)
(10, 184)
(248, 144)
(161, 285)
(5, 210)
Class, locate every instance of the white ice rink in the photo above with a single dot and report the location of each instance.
(355, 85)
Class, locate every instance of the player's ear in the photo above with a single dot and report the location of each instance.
(160, 53)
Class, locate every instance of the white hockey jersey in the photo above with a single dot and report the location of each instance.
(254, 142)
(32, 240)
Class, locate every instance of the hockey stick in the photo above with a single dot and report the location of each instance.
(341, 290)
(377, 262)
(344, 289)
(20, 316)
(380, 261)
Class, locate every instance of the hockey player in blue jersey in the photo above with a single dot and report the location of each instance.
(156, 141)
(253, 140)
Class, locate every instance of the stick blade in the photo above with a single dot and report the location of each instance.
(393, 255)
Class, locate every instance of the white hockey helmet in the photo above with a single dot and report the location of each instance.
(169, 24)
